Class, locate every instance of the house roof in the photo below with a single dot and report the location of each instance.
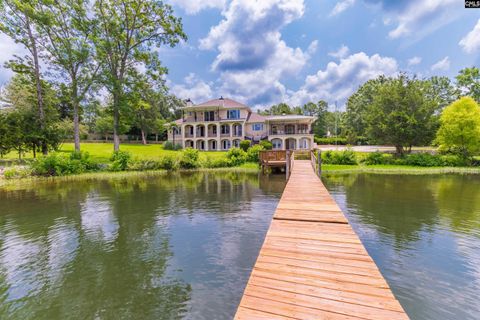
(221, 102)
(289, 117)
(255, 117)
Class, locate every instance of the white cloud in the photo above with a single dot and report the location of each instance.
(338, 81)
(193, 88)
(8, 48)
(194, 6)
(252, 56)
(419, 17)
(340, 53)
(414, 61)
(341, 6)
(441, 65)
(471, 42)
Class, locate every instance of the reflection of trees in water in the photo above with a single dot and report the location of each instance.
(459, 202)
(397, 205)
(87, 250)
(402, 205)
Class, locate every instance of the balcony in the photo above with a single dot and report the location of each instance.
(288, 132)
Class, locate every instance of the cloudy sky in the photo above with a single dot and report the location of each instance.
(268, 51)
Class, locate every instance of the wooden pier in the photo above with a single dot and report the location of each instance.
(312, 265)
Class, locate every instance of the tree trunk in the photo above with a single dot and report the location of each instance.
(144, 139)
(156, 137)
(76, 117)
(399, 150)
(116, 121)
(34, 149)
(38, 83)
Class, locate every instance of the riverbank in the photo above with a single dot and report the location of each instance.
(396, 169)
(105, 175)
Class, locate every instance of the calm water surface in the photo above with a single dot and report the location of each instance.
(165, 247)
(424, 234)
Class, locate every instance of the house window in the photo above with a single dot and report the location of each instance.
(257, 127)
(233, 114)
(225, 129)
(209, 115)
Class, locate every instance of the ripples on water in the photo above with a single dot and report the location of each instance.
(424, 234)
(177, 246)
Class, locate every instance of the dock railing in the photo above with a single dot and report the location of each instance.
(277, 158)
(316, 161)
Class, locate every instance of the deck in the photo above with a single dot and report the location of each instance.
(312, 265)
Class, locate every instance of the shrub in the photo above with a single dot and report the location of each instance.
(170, 146)
(236, 156)
(168, 162)
(377, 158)
(339, 157)
(267, 145)
(244, 145)
(84, 159)
(219, 163)
(331, 140)
(423, 160)
(120, 160)
(455, 161)
(189, 159)
(253, 154)
(57, 165)
(143, 165)
(16, 173)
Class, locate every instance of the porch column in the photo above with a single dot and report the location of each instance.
(206, 144)
(194, 131)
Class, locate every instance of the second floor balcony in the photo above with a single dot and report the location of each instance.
(289, 129)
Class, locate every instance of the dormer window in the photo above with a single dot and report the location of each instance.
(233, 114)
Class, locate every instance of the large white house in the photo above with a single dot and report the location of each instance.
(220, 124)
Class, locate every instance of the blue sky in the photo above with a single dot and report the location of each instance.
(295, 51)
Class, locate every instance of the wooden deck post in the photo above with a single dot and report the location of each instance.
(287, 164)
(319, 159)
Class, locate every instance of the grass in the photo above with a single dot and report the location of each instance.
(395, 169)
(101, 152)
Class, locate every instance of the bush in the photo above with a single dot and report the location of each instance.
(84, 159)
(120, 160)
(170, 146)
(253, 154)
(236, 156)
(244, 145)
(16, 173)
(377, 158)
(219, 163)
(423, 160)
(189, 159)
(339, 157)
(57, 165)
(267, 145)
(168, 163)
(330, 141)
(144, 165)
(455, 161)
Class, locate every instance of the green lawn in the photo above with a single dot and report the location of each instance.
(395, 169)
(101, 152)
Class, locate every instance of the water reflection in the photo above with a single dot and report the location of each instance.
(424, 233)
(149, 247)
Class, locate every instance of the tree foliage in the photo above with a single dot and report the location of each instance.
(460, 127)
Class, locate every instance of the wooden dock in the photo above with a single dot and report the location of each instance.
(312, 265)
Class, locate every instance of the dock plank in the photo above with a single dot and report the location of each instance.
(312, 265)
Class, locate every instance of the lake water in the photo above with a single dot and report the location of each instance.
(424, 234)
(183, 245)
(164, 247)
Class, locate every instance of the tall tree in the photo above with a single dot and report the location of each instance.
(67, 30)
(17, 21)
(402, 114)
(126, 33)
(468, 81)
(441, 90)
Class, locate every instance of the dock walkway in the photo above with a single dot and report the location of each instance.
(312, 265)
